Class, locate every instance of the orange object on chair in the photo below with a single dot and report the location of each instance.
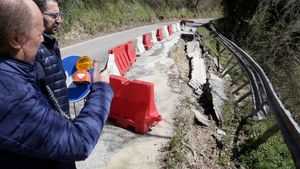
(81, 76)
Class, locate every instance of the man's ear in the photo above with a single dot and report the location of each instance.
(16, 43)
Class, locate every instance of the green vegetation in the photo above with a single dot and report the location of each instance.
(213, 46)
(175, 156)
(87, 18)
(270, 31)
(242, 130)
(272, 154)
(216, 49)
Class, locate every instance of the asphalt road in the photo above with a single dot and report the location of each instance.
(99, 46)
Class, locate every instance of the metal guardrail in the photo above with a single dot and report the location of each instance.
(263, 93)
(255, 82)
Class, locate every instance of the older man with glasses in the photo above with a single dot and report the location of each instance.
(49, 59)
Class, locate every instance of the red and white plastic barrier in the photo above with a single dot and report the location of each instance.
(139, 46)
(111, 65)
(165, 31)
(153, 37)
(174, 27)
(129, 47)
(124, 56)
(133, 105)
(170, 30)
(147, 41)
(178, 26)
(159, 34)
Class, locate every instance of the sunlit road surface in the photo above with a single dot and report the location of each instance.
(99, 46)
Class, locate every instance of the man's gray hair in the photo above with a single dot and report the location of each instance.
(15, 21)
(42, 4)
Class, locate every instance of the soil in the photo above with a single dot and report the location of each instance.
(202, 149)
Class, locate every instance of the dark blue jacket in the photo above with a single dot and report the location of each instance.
(50, 59)
(32, 134)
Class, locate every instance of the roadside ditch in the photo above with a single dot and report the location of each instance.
(199, 139)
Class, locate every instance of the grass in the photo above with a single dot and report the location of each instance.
(243, 131)
(176, 151)
(216, 49)
(176, 155)
(91, 17)
(272, 154)
(109, 17)
(213, 46)
(269, 30)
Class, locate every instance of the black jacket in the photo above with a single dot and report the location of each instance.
(50, 59)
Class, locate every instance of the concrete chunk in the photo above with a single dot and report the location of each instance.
(192, 46)
(200, 117)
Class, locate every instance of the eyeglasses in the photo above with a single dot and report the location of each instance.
(53, 15)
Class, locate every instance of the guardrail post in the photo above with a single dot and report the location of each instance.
(227, 71)
(218, 55)
(261, 139)
(259, 108)
(240, 88)
(227, 64)
(218, 62)
(234, 80)
(243, 97)
(222, 51)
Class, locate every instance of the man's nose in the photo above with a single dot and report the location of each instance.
(59, 19)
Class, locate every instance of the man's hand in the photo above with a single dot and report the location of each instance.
(100, 75)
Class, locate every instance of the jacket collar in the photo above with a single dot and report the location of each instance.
(50, 42)
(12, 65)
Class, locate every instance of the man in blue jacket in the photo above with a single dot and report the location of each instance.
(49, 55)
(32, 134)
